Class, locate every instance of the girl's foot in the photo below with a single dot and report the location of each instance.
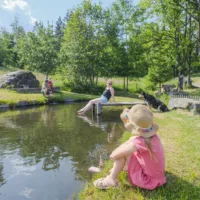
(106, 183)
(80, 112)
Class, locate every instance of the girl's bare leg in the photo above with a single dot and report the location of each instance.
(118, 166)
(125, 168)
(89, 106)
(120, 156)
(112, 179)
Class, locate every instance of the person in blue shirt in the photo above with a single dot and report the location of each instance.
(105, 97)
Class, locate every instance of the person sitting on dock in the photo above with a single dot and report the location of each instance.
(143, 154)
(105, 97)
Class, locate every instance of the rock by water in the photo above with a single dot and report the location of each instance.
(19, 79)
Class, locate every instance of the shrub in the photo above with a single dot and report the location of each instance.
(83, 88)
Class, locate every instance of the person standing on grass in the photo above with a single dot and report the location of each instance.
(105, 97)
(142, 155)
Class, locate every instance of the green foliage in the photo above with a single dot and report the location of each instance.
(6, 49)
(149, 85)
(87, 89)
(59, 32)
(158, 38)
(164, 98)
(37, 49)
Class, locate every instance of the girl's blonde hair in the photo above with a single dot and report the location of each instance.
(109, 82)
(147, 142)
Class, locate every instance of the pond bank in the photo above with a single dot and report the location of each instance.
(13, 99)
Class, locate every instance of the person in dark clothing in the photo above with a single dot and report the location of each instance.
(105, 97)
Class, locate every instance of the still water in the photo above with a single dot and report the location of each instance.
(45, 152)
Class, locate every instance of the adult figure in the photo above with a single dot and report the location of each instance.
(50, 84)
(105, 97)
(45, 88)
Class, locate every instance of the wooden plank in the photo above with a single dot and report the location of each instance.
(123, 104)
(99, 106)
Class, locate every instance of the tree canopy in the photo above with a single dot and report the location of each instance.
(155, 38)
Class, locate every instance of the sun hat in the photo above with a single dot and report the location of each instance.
(140, 121)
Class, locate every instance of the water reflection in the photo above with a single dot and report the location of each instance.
(45, 152)
(109, 128)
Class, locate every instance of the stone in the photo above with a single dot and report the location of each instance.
(168, 88)
(183, 103)
(195, 108)
(19, 79)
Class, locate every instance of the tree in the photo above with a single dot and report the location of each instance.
(37, 50)
(6, 49)
(17, 33)
(83, 46)
(59, 32)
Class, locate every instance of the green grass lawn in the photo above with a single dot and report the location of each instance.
(179, 133)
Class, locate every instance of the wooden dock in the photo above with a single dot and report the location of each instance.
(100, 106)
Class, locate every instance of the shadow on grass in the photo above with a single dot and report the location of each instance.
(176, 188)
(126, 94)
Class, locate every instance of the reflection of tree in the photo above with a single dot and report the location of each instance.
(111, 135)
(105, 126)
(56, 133)
(2, 180)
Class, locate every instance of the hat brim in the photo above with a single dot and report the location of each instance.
(148, 134)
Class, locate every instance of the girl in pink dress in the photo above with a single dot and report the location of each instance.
(142, 154)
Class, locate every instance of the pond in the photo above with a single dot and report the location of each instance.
(45, 152)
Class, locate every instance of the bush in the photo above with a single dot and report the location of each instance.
(148, 85)
(83, 88)
(164, 98)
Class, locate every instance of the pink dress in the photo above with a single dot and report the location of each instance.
(143, 171)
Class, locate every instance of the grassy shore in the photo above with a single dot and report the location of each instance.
(179, 133)
(13, 98)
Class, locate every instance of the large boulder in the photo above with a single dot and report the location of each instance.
(19, 79)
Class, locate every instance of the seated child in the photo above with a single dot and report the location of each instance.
(143, 153)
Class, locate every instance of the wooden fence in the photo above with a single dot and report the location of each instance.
(196, 98)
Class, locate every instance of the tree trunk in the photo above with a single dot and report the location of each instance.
(177, 52)
(124, 83)
(159, 88)
(190, 52)
(127, 83)
(97, 79)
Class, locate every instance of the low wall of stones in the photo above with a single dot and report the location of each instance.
(185, 103)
